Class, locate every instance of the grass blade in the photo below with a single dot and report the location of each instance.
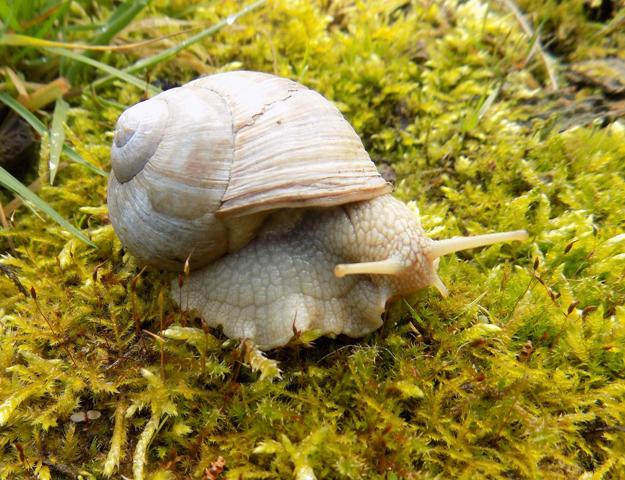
(9, 181)
(75, 157)
(119, 19)
(41, 129)
(8, 17)
(106, 68)
(23, 112)
(527, 27)
(170, 52)
(46, 20)
(57, 136)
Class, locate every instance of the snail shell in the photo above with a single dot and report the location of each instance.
(197, 169)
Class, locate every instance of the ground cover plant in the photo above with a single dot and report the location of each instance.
(488, 119)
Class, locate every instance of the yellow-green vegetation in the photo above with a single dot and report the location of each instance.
(519, 373)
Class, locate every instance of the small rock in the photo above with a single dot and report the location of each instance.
(605, 73)
(17, 143)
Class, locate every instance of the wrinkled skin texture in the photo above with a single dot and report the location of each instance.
(284, 280)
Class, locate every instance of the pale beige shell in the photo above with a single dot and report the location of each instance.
(196, 169)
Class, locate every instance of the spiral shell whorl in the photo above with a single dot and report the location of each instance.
(169, 177)
(138, 133)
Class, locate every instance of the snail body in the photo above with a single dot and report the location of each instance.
(267, 190)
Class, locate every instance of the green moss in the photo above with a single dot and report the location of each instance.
(519, 373)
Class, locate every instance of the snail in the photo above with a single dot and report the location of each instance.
(268, 192)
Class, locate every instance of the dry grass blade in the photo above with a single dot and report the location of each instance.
(17, 40)
(6, 226)
(527, 28)
(119, 19)
(45, 94)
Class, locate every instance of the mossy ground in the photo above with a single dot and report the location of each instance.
(519, 373)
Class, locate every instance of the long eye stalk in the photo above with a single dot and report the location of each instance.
(440, 248)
